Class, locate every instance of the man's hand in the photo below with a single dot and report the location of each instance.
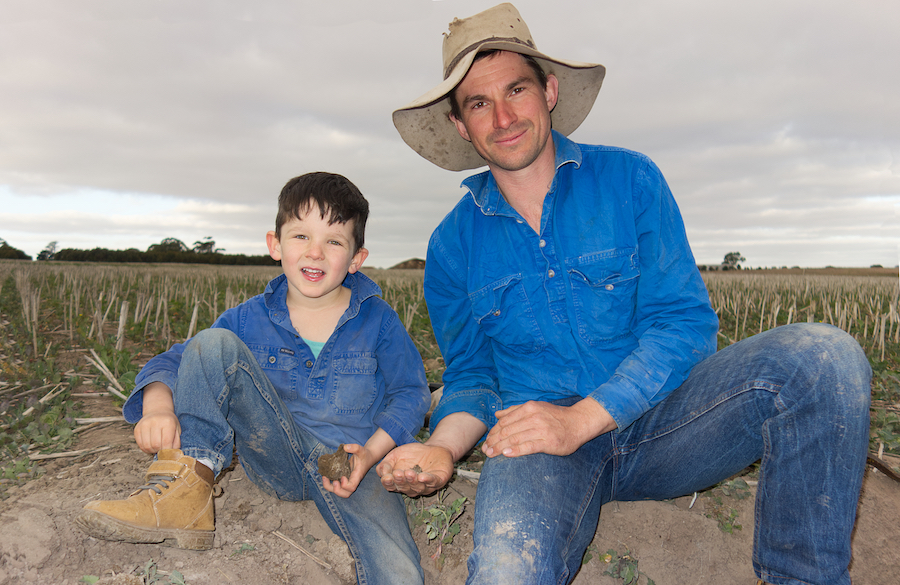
(541, 427)
(435, 467)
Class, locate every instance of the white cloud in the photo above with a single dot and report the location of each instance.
(776, 124)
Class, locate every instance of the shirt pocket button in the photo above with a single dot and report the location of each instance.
(609, 287)
(271, 359)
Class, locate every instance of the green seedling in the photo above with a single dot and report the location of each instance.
(245, 547)
(152, 575)
(735, 488)
(725, 517)
(439, 520)
(624, 567)
(589, 554)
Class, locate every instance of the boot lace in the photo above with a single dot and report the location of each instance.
(156, 481)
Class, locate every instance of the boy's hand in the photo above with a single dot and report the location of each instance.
(361, 460)
(158, 430)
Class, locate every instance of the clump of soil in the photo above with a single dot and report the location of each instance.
(335, 465)
(260, 539)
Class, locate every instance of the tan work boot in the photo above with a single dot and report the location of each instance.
(174, 507)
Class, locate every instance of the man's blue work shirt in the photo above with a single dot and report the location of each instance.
(369, 374)
(606, 302)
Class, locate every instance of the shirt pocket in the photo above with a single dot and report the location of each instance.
(355, 386)
(281, 368)
(505, 315)
(604, 290)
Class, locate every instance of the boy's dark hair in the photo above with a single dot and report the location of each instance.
(333, 194)
(539, 74)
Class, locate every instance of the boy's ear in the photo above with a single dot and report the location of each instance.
(358, 260)
(274, 246)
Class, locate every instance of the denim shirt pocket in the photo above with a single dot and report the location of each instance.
(281, 368)
(604, 287)
(355, 387)
(502, 310)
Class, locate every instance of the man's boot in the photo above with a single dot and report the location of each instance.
(174, 507)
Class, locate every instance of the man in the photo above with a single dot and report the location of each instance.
(578, 336)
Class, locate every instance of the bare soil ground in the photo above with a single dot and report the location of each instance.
(259, 539)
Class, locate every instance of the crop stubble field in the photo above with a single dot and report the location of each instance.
(71, 331)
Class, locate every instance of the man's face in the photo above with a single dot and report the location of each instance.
(505, 113)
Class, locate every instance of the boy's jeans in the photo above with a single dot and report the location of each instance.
(796, 397)
(224, 399)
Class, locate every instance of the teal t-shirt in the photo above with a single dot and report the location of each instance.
(315, 346)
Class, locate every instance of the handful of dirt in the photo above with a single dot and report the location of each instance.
(336, 465)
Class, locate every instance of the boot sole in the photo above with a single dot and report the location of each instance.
(105, 527)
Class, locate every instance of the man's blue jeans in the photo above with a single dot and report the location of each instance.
(796, 397)
(224, 400)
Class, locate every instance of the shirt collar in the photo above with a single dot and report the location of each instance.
(483, 187)
(361, 288)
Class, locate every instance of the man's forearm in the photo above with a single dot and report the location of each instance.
(457, 433)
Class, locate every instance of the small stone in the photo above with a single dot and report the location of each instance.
(336, 465)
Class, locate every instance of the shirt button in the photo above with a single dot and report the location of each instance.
(542, 243)
(309, 363)
(271, 359)
(519, 221)
(609, 287)
(497, 313)
(551, 274)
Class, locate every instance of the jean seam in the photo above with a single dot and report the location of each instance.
(286, 425)
(585, 503)
(328, 498)
(760, 488)
(720, 399)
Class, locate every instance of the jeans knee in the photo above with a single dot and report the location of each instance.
(211, 342)
(214, 337)
(830, 361)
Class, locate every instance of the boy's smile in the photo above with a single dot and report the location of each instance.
(315, 257)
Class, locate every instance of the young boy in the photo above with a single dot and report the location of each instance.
(315, 361)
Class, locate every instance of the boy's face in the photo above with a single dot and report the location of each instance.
(315, 256)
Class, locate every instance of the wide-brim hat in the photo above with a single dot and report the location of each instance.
(425, 124)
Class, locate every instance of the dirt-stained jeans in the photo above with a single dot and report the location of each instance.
(223, 399)
(795, 397)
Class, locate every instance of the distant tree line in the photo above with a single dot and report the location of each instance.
(7, 252)
(170, 250)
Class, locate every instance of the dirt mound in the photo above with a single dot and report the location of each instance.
(263, 540)
(411, 264)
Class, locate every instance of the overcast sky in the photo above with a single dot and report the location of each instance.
(776, 122)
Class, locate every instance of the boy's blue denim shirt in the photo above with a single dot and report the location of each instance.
(606, 302)
(368, 375)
